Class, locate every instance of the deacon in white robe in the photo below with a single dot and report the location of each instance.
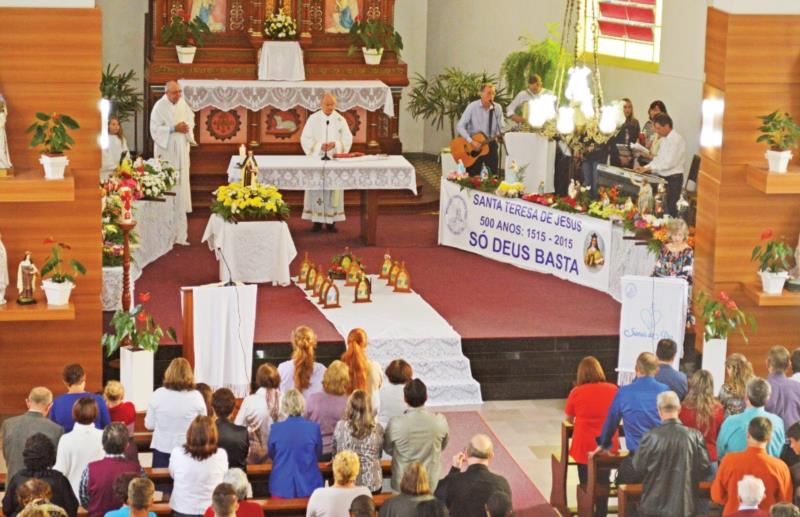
(326, 131)
(172, 131)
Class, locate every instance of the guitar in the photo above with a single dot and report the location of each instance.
(462, 150)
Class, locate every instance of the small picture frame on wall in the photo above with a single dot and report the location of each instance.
(331, 297)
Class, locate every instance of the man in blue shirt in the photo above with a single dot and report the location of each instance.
(75, 380)
(636, 405)
(482, 116)
(675, 380)
(732, 435)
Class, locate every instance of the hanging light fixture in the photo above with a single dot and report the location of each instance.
(576, 111)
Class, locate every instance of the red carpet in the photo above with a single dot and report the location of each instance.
(527, 499)
(480, 298)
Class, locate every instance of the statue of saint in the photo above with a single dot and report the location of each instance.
(3, 272)
(5, 159)
(795, 273)
(26, 280)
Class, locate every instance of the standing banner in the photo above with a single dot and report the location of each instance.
(652, 309)
(574, 247)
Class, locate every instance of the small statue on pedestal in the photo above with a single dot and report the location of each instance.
(661, 198)
(3, 272)
(26, 280)
(5, 159)
(250, 170)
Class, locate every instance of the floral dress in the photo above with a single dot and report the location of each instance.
(732, 403)
(368, 449)
(677, 265)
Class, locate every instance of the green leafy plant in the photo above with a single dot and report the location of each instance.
(182, 31)
(374, 34)
(537, 57)
(772, 255)
(443, 98)
(118, 88)
(50, 131)
(136, 328)
(53, 264)
(722, 316)
(779, 131)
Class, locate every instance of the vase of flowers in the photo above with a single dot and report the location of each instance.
(186, 34)
(58, 286)
(280, 26)
(781, 133)
(774, 258)
(256, 202)
(373, 36)
(51, 132)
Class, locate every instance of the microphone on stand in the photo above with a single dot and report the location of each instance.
(230, 281)
(325, 157)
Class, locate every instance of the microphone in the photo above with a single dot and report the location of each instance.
(230, 281)
(325, 157)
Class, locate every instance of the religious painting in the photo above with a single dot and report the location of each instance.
(341, 14)
(213, 12)
(595, 247)
(217, 126)
(353, 118)
(281, 124)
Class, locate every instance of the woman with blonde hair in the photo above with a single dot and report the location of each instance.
(335, 500)
(171, 410)
(327, 407)
(360, 433)
(365, 374)
(676, 259)
(733, 393)
(302, 372)
(701, 411)
(119, 409)
(260, 410)
(414, 489)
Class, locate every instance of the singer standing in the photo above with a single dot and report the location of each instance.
(483, 116)
(325, 133)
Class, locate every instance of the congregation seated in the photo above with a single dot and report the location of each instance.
(733, 393)
(733, 433)
(363, 506)
(137, 494)
(34, 497)
(365, 373)
(327, 407)
(398, 373)
(196, 468)
(414, 489)
(499, 505)
(82, 445)
(416, 435)
(16, 430)
(784, 399)
(301, 372)
(74, 379)
(335, 500)
(466, 493)
(233, 438)
(39, 456)
(793, 437)
(206, 392)
(224, 502)
(97, 493)
(237, 479)
(666, 350)
(784, 510)
(171, 410)
(295, 445)
(750, 491)
(701, 411)
(360, 433)
(119, 409)
(259, 410)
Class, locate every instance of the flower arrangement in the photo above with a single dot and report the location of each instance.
(163, 169)
(512, 190)
(153, 186)
(50, 131)
(341, 263)
(772, 255)
(722, 316)
(136, 328)
(236, 202)
(183, 31)
(487, 184)
(374, 34)
(280, 26)
(112, 234)
(53, 264)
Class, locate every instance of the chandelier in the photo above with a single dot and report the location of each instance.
(575, 111)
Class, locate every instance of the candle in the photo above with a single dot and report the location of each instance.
(125, 196)
(242, 152)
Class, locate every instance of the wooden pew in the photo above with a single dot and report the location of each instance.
(630, 494)
(593, 490)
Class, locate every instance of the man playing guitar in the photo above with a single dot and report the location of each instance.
(482, 116)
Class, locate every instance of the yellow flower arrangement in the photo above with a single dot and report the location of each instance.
(235, 202)
(510, 189)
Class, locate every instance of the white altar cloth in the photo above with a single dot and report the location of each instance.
(535, 151)
(112, 287)
(155, 224)
(281, 61)
(298, 172)
(256, 251)
(256, 95)
(404, 325)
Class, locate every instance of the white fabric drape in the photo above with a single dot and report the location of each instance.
(281, 61)
(111, 155)
(535, 152)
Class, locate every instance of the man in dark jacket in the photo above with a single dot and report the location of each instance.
(232, 437)
(672, 459)
(466, 493)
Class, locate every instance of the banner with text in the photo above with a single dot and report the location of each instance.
(571, 246)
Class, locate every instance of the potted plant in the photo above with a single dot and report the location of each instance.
(774, 259)
(781, 133)
(721, 316)
(59, 285)
(373, 36)
(186, 35)
(50, 131)
(537, 57)
(118, 88)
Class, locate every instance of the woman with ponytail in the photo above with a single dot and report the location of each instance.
(301, 372)
(365, 374)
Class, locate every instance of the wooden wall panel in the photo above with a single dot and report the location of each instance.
(716, 47)
(51, 60)
(762, 49)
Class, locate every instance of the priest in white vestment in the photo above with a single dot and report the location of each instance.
(172, 131)
(325, 132)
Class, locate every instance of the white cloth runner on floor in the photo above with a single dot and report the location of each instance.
(155, 224)
(281, 61)
(405, 326)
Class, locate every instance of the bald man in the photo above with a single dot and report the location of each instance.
(466, 493)
(172, 131)
(325, 133)
(16, 430)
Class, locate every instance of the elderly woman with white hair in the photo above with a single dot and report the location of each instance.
(244, 490)
(676, 259)
(295, 446)
(751, 491)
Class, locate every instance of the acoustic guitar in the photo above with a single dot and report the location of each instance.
(462, 150)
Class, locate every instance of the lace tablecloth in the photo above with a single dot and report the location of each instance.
(281, 61)
(298, 172)
(404, 325)
(628, 257)
(155, 224)
(256, 95)
(112, 288)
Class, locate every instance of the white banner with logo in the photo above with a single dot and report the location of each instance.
(652, 309)
(571, 246)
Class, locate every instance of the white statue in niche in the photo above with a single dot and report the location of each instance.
(3, 272)
(5, 159)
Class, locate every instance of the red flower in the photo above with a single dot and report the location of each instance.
(56, 116)
(731, 305)
(724, 296)
(766, 234)
(48, 241)
(142, 316)
(144, 297)
(358, 19)
(717, 313)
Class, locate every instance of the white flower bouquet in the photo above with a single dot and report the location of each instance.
(280, 26)
(153, 186)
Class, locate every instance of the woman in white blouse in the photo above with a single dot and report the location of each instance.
(82, 445)
(302, 372)
(196, 468)
(172, 409)
(393, 402)
(334, 501)
(365, 374)
(259, 411)
(117, 144)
